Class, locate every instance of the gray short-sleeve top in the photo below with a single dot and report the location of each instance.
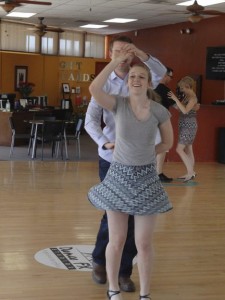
(135, 140)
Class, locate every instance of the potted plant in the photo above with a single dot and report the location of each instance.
(26, 88)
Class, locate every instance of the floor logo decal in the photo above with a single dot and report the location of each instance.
(73, 257)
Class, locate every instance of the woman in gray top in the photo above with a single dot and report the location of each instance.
(132, 185)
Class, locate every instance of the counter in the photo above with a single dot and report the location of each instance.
(5, 131)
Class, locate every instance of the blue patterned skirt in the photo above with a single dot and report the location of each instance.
(134, 190)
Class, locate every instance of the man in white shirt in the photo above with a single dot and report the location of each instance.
(96, 119)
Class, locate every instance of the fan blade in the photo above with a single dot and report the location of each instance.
(32, 2)
(31, 29)
(157, 1)
(7, 7)
(212, 12)
(40, 33)
(40, 27)
(54, 29)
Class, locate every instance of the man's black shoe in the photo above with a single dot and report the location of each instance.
(126, 284)
(99, 273)
(164, 178)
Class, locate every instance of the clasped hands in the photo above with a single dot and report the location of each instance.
(126, 52)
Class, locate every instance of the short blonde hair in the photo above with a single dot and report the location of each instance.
(187, 81)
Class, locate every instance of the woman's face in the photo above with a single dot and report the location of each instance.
(138, 79)
(184, 88)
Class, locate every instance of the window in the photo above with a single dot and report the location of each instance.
(27, 41)
(17, 37)
(95, 46)
(30, 43)
(71, 44)
(49, 43)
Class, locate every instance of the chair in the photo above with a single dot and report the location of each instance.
(16, 135)
(48, 117)
(32, 132)
(74, 136)
(52, 132)
(63, 114)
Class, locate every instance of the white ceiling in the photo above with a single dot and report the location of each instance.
(70, 14)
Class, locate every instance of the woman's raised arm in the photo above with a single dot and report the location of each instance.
(96, 87)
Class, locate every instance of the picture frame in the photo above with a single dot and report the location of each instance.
(21, 74)
(66, 88)
(77, 90)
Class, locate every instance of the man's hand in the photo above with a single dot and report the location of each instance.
(108, 146)
(137, 52)
(122, 55)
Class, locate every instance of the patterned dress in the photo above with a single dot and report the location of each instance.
(187, 126)
(132, 185)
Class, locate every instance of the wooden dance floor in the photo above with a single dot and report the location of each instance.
(44, 206)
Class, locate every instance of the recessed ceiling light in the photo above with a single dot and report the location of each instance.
(202, 2)
(20, 15)
(93, 26)
(120, 20)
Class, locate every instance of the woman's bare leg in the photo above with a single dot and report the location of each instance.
(118, 224)
(144, 228)
(185, 158)
(190, 154)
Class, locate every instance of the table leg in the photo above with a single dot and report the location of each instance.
(31, 138)
(65, 142)
(34, 141)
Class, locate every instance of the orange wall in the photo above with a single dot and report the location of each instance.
(48, 73)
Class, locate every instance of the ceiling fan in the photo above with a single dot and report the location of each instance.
(41, 29)
(9, 5)
(198, 11)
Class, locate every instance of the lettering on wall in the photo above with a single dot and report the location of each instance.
(74, 71)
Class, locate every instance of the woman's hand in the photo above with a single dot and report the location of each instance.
(122, 55)
(172, 96)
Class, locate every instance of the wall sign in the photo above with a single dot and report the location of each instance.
(74, 71)
(215, 63)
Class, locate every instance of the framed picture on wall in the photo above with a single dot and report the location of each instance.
(65, 87)
(21, 74)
